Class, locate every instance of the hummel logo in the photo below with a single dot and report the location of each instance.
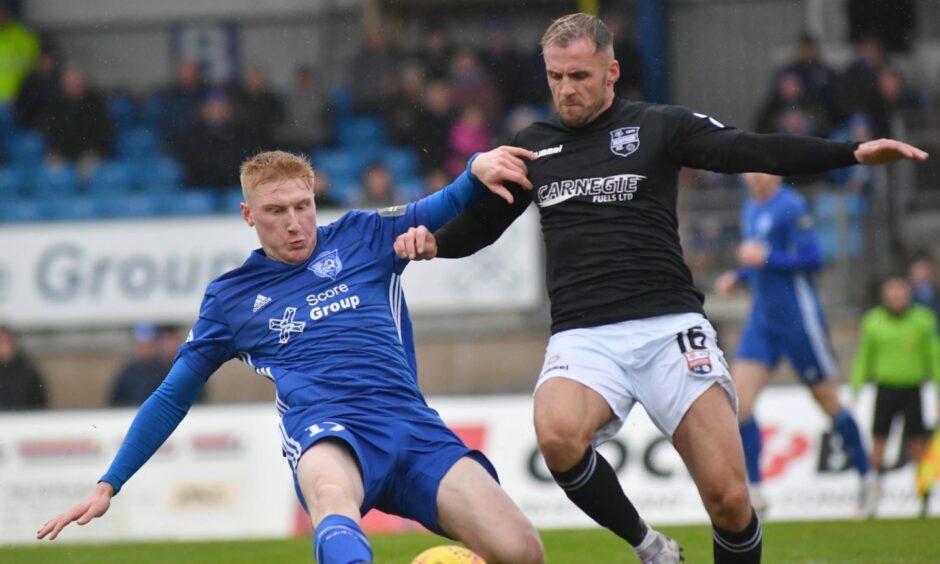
(260, 302)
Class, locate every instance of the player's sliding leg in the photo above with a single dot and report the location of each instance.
(567, 415)
(826, 394)
(708, 441)
(472, 507)
(329, 478)
(749, 378)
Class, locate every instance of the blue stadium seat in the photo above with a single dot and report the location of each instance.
(111, 179)
(341, 100)
(55, 181)
(194, 201)
(401, 161)
(11, 184)
(75, 208)
(159, 175)
(231, 200)
(361, 131)
(25, 149)
(137, 144)
(22, 210)
(123, 111)
(153, 112)
(133, 205)
(341, 165)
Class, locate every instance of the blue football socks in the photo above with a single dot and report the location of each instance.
(339, 540)
(750, 436)
(845, 425)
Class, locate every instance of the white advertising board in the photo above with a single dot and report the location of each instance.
(221, 475)
(60, 275)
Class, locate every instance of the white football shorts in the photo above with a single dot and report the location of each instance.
(665, 363)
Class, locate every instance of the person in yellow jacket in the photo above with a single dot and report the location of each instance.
(19, 51)
(898, 351)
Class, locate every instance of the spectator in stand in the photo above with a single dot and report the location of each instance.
(378, 190)
(143, 372)
(21, 384)
(432, 134)
(923, 279)
(77, 124)
(856, 179)
(181, 103)
(259, 110)
(632, 79)
(214, 144)
(894, 91)
(860, 83)
(789, 110)
(307, 124)
(403, 114)
(518, 119)
(820, 83)
(501, 62)
(435, 53)
(39, 90)
(374, 72)
(19, 50)
(322, 189)
(468, 135)
(435, 180)
(898, 350)
(472, 86)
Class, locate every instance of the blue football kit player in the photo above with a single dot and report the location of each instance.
(778, 257)
(320, 311)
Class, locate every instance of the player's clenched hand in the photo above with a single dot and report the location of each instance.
(418, 243)
(503, 164)
(95, 505)
(752, 253)
(883, 151)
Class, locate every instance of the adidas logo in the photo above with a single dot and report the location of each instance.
(260, 302)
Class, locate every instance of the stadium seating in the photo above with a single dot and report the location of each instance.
(193, 201)
(137, 144)
(74, 208)
(22, 210)
(111, 179)
(363, 131)
(55, 182)
(123, 111)
(401, 161)
(25, 149)
(11, 184)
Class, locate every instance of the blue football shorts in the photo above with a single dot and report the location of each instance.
(403, 456)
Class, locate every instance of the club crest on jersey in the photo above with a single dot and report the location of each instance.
(327, 265)
(700, 362)
(625, 141)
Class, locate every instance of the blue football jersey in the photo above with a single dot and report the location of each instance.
(784, 225)
(332, 328)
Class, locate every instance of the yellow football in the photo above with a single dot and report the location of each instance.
(447, 554)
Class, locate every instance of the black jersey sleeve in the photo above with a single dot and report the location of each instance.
(481, 223)
(699, 141)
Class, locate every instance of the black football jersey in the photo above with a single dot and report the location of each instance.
(607, 194)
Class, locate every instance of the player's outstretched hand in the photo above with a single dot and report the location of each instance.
(418, 243)
(503, 164)
(884, 151)
(95, 505)
(727, 283)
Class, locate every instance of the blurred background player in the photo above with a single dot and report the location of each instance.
(778, 257)
(898, 351)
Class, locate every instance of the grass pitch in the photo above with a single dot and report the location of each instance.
(890, 540)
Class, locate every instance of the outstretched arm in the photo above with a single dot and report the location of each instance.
(699, 141)
(153, 424)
